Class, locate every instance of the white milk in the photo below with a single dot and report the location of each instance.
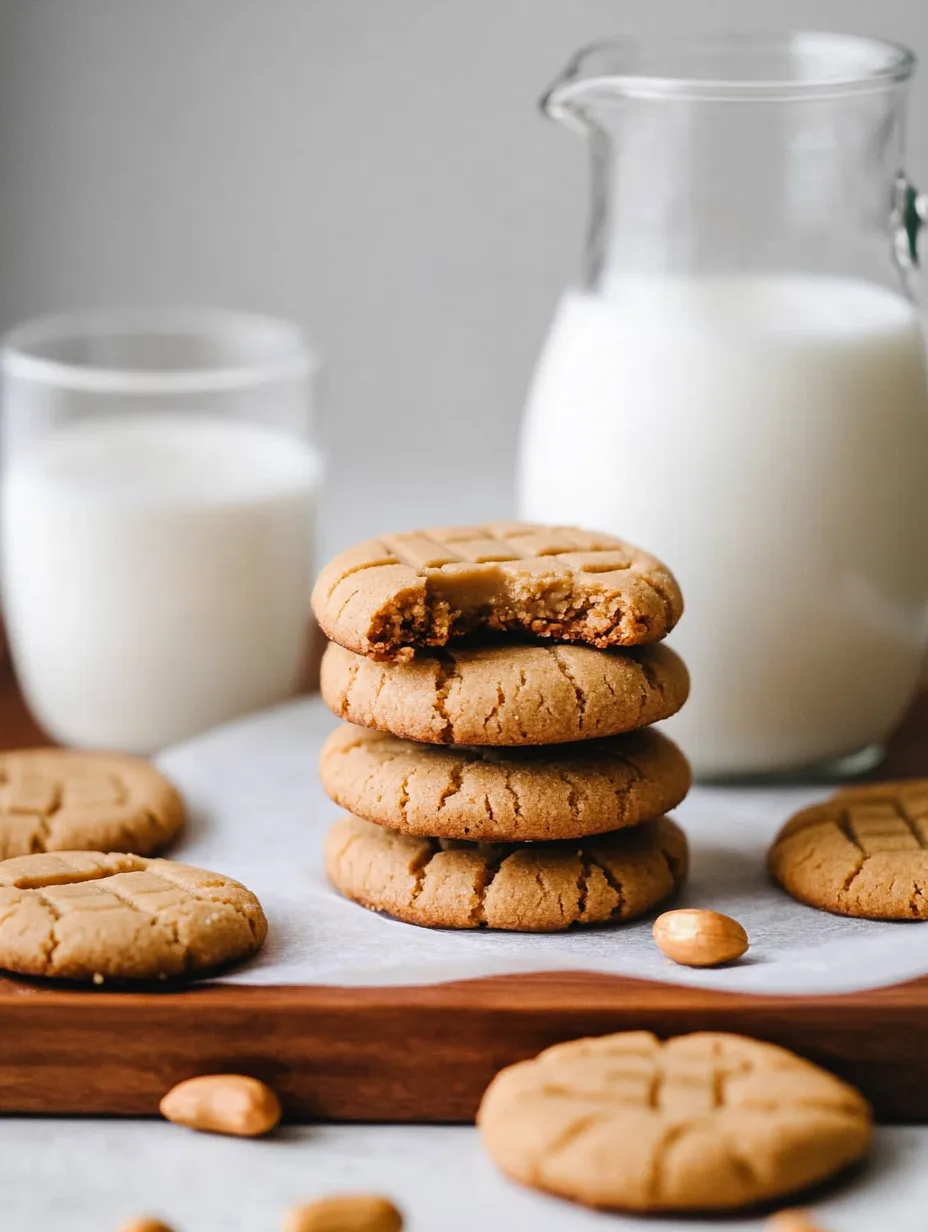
(768, 438)
(156, 574)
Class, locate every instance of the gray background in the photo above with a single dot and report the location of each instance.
(377, 169)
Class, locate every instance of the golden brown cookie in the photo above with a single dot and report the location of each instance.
(82, 915)
(696, 1123)
(61, 800)
(503, 795)
(862, 853)
(506, 695)
(523, 887)
(891, 789)
(427, 587)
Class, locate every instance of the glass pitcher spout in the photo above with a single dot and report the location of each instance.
(802, 65)
(743, 151)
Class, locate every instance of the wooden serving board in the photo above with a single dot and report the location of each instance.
(417, 1054)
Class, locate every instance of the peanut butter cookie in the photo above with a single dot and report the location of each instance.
(530, 887)
(506, 695)
(503, 795)
(390, 595)
(862, 853)
(83, 915)
(60, 800)
(698, 1123)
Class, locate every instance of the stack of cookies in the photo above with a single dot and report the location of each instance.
(497, 761)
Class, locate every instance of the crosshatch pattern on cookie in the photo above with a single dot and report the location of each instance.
(424, 587)
(85, 914)
(704, 1121)
(684, 1077)
(895, 812)
(865, 852)
(506, 542)
(60, 800)
(884, 827)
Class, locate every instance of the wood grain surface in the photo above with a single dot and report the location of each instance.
(417, 1054)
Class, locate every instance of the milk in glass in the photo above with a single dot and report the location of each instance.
(156, 570)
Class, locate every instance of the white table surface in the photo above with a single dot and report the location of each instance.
(89, 1176)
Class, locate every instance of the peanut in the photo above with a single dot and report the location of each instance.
(223, 1104)
(792, 1221)
(143, 1224)
(696, 938)
(348, 1213)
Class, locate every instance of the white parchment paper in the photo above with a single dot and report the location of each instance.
(259, 814)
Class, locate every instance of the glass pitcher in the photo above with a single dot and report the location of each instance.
(738, 381)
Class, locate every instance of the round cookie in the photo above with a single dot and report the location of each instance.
(533, 887)
(503, 795)
(862, 853)
(914, 792)
(697, 1123)
(506, 695)
(62, 800)
(390, 595)
(82, 915)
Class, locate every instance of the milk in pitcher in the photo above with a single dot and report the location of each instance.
(766, 436)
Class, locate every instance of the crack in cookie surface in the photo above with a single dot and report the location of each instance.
(863, 853)
(391, 595)
(83, 915)
(63, 800)
(697, 1123)
(536, 887)
(508, 694)
(521, 794)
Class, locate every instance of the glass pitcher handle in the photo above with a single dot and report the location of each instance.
(909, 215)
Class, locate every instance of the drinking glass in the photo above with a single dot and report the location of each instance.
(159, 489)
